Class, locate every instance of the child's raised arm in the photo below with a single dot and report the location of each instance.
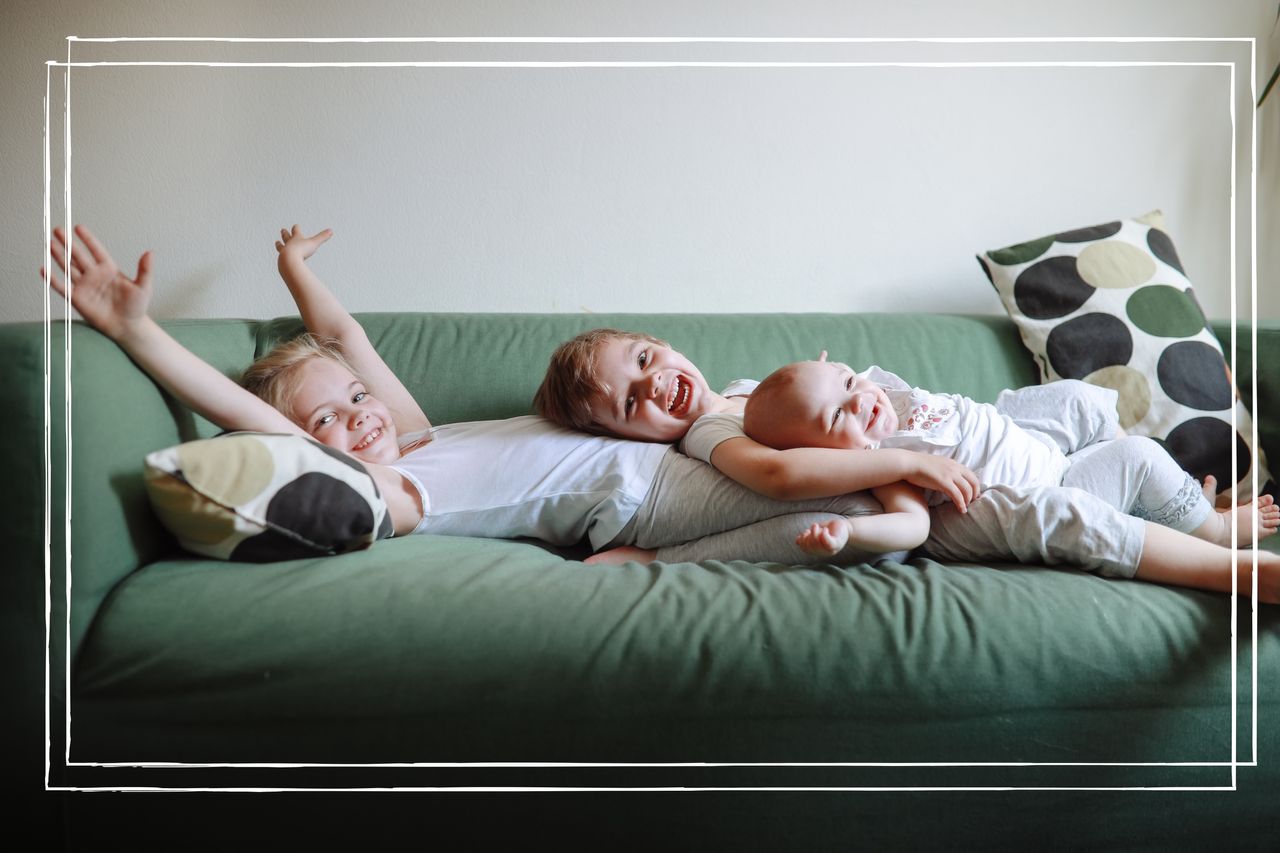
(116, 306)
(324, 316)
(819, 472)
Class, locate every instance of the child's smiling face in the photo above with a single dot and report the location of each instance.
(653, 393)
(334, 408)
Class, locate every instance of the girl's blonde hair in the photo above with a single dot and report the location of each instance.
(275, 376)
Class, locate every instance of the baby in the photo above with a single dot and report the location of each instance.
(1058, 485)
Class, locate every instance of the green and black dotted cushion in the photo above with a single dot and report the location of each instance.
(259, 497)
(1112, 306)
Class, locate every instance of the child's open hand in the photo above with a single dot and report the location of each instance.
(105, 297)
(940, 474)
(296, 244)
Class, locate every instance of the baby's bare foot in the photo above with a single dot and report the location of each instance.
(1210, 488)
(1268, 516)
(1261, 514)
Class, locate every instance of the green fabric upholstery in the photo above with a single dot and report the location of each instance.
(724, 662)
(435, 649)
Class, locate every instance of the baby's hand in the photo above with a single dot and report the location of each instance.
(106, 298)
(825, 540)
(295, 244)
(940, 474)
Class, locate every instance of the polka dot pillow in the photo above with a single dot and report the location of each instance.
(259, 497)
(1111, 305)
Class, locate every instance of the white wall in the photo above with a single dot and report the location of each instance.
(632, 189)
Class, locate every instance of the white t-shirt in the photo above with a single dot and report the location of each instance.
(528, 477)
(710, 430)
(977, 435)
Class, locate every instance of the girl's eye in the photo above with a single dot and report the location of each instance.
(643, 358)
(360, 395)
(324, 420)
(628, 406)
(835, 416)
(848, 384)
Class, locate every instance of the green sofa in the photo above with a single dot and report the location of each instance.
(434, 662)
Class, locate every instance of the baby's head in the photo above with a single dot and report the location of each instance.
(309, 381)
(818, 404)
(624, 384)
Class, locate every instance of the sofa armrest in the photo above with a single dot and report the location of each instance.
(117, 416)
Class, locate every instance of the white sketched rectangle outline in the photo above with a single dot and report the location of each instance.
(1234, 763)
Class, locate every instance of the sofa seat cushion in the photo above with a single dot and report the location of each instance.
(454, 649)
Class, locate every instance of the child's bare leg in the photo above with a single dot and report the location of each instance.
(1261, 514)
(621, 554)
(1170, 557)
(825, 539)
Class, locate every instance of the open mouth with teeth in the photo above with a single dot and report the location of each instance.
(679, 395)
(368, 439)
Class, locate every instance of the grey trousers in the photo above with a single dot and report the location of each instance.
(694, 513)
(1094, 519)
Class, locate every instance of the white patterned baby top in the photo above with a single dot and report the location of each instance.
(974, 434)
(924, 416)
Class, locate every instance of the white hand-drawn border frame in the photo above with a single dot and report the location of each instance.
(1234, 763)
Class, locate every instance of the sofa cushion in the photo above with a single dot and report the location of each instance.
(259, 497)
(438, 648)
(1110, 304)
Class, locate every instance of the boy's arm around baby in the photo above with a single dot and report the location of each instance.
(819, 472)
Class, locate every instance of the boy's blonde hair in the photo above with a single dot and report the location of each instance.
(274, 377)
(573, 379)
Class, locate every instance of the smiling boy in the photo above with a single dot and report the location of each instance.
(632, 385)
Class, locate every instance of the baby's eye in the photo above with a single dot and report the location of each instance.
(643, 358)
(628, 406)
(325, 420)
(835, 416)
(848, 384)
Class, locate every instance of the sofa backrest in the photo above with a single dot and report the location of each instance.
(466, 367)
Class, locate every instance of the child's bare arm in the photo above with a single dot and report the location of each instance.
(116, 305)
(323, 315)
(903, 525)
(818, 472)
